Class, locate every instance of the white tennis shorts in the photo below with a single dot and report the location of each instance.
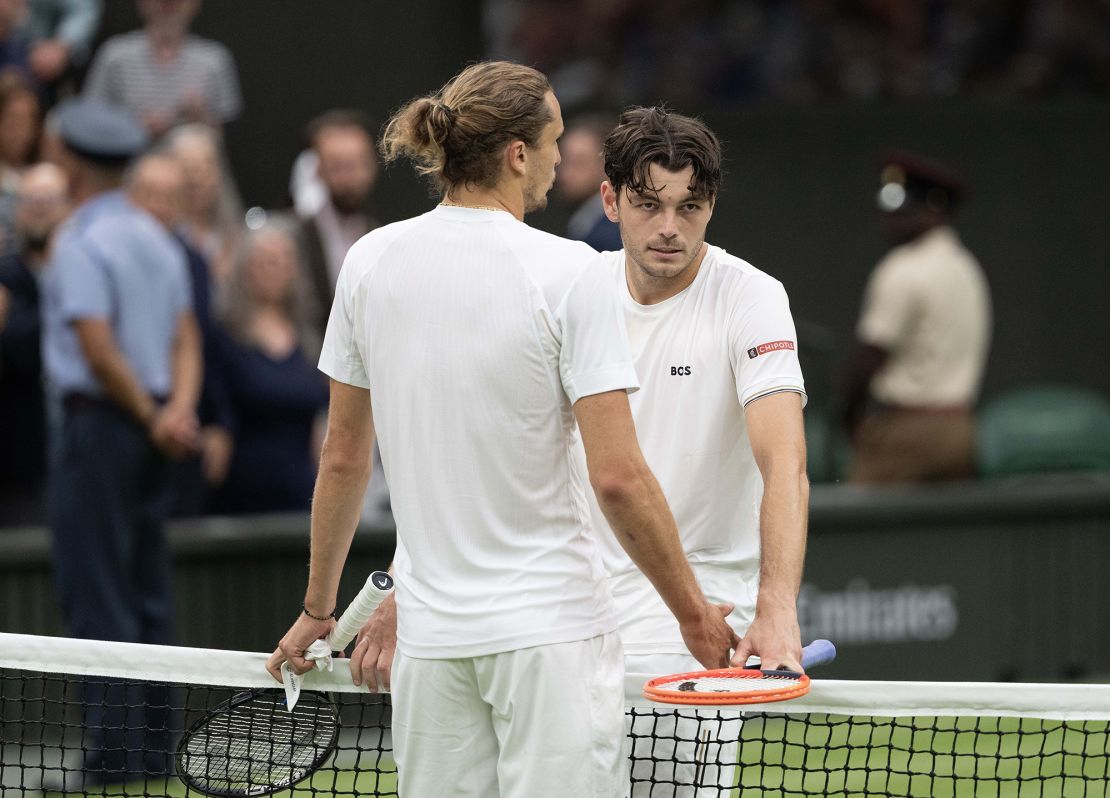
(530, 723)
(675, 752)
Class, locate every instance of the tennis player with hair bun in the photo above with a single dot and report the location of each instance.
(719, 419)
(478, 349)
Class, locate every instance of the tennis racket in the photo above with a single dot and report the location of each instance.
(730, 686)
(262, 741)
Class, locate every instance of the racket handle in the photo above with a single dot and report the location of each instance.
(819, 652)
(377, 588)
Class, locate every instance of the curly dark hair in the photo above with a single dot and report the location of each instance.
(646, 136)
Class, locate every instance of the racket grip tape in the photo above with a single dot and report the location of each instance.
(819, 652)
(377, 588)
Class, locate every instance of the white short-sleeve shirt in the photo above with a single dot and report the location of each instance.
(475, 335)
(727, 340)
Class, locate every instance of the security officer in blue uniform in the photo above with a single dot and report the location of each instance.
(121, 353)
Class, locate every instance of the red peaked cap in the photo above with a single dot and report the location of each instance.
(922, 177)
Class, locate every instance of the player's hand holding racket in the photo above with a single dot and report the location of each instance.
(734, 686)
(294, 647)
(262, 741)
(372, 656)
(774, 638)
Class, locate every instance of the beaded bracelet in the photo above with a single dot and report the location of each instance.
(317, 617)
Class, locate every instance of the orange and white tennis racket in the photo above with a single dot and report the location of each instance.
(730, 686)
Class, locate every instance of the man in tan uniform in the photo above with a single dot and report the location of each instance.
(924, 333)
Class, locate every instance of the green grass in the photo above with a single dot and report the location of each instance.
(912, 758)
(925, 758)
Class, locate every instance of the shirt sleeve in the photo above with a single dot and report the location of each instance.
(77, 26)
(83, 285)
(594, 356)
(888, 307)
(341, 358)
(764, 345)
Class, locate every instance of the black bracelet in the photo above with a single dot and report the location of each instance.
(317, 617)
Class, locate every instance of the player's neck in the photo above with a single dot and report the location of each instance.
(490, 199)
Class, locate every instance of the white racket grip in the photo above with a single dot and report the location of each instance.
(377, 588)
(819, 652)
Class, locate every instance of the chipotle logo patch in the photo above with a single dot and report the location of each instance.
(770, 346)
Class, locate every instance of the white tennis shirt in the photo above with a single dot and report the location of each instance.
(475, 335)
(723, 342)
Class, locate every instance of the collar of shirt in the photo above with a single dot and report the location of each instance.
(96, 206)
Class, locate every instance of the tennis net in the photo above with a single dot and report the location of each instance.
(103, 719)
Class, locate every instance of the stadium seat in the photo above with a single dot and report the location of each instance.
(1044, 428)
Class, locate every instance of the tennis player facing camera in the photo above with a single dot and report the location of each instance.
(719, 420)
(477, 349)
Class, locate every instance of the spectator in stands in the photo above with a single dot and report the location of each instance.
(61, 35)
(804, 50)
(342, 146)
(122, 351)
(276, 396)
(213, 216)
(14, 49)
(164, 74)
(343, 142)
(1067, 48)
(42, 206)
(157, 185)
(923, 335)
(578, 180)
(19, 138)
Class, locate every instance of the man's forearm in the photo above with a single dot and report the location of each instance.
(187, 367)
(111, 369)
(783, 522)
(123, 387)
(336, 506)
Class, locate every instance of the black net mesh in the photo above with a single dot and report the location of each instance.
(682, 753)
(105, 736)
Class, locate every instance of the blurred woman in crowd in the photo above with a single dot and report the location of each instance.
(274, 395)
(20, 127)
(213, 211)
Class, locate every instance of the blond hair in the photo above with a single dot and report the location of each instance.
(456, 135)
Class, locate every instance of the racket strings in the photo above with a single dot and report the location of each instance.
(728, 684)
(258, 743)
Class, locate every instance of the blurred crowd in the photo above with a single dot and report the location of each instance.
(700, 52)
(260, 283)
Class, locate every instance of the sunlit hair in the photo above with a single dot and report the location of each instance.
(238, 303)
(646, 136)
(457, 135)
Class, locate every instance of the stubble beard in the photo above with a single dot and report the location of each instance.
(640, 258)
(535, 203)
(536, 199)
